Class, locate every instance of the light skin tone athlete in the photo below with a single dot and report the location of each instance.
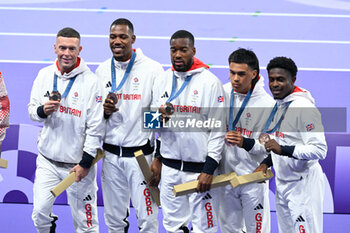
(67, 50)
(241, 77)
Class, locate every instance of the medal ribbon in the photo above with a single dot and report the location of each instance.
(69, 86)
(272, 114)
(126, 74)
(174, 95)
(244, 104)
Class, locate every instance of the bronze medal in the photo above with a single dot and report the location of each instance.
(263, 138)
(169, 108)
(55, 95)
(112, 96)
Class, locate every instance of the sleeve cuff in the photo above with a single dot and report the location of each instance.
(40, 112)
(106, 116)
(267, 161)
(210, 165)
(248, 143)
(86, 161)
(288, 151)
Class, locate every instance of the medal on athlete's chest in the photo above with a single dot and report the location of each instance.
(169, 108)
(112, 96)
(263, 138)
(55, 95)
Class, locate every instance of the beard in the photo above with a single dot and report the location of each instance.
(183, 68)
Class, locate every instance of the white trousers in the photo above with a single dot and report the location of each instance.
(201, 208)
(299, 204)
(81, 196)
(122, 179)
(245, 208)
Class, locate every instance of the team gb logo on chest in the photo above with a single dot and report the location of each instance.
(75, 98)
(135, 84)
(248, 118)
(194, 97)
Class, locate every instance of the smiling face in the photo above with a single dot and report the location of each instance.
(241, 77)
(121, 39)
(281, 82)
(181, 53)
(67, 50)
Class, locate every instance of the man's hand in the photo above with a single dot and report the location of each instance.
(156, 168)
(234, 138)
(272, 145)
(80, 172)
(262, 167)
(109, 107)
(204, 182)
(51, 106)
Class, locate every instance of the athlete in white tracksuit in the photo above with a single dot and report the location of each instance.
(188, 152)
(185, 155)
(296, 147)
(122, 178)
(246, 205)
(76, 127)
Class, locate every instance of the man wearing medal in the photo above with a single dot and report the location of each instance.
(128, 78)
(186, 154)
(72, 132)
(245, 207)
(297, 143)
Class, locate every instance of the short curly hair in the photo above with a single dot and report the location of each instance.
(123, 21)
(284, 63)
(183, 34)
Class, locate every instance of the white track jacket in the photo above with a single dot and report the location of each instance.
(250, 125)
(204, 93)
(302, 128)
(77, 125)
(124, 127)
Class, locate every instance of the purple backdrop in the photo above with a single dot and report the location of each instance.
(313, 35)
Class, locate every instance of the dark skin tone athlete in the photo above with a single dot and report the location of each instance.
(281, 84)
(121, 39)
(181, 53)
